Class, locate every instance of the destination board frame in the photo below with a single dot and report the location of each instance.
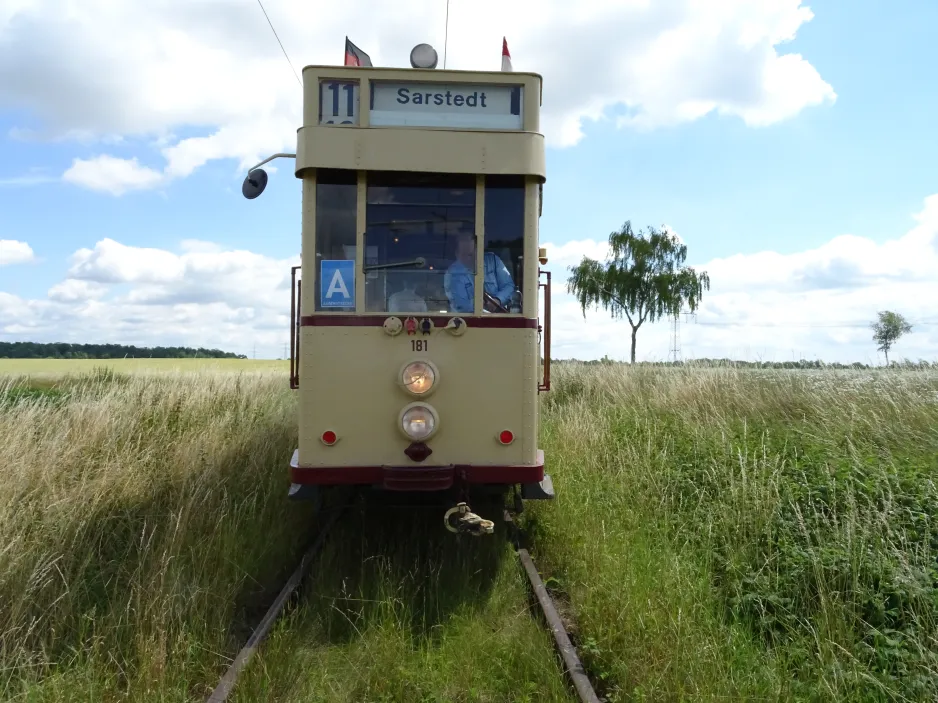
(446, 104)
(530, 83)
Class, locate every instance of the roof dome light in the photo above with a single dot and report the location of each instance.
(423, 56)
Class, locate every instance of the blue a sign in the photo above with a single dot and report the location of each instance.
(337, 283)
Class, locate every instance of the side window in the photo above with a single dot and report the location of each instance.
(420, 243)
(504, 241)
(336, 211)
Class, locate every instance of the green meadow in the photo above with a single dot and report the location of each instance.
(718, 534)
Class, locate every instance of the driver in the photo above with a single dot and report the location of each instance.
(458, 280)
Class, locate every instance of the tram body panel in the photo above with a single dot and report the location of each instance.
(428, 150)
(350, 384)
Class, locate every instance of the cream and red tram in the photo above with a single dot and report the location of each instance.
(417, 186)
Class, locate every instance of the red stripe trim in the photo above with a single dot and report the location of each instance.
(348, 475)
(437, 477)
(490, 321)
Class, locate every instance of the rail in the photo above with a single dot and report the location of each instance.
(296, 299)
(573, 667)
(545, 386)
(230, 678)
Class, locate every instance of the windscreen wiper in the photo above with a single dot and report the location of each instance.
(419, 262)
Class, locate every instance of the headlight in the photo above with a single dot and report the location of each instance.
(418, 377)
(418, 422)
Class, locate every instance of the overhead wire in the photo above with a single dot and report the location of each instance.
(446, 38)
(280, 42)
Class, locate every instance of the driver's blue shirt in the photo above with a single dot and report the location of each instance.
(458, 283)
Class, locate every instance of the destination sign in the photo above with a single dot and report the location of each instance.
(476, 106)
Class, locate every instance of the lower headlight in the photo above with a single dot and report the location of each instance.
(418, 422)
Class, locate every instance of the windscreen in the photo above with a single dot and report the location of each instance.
(420, 243)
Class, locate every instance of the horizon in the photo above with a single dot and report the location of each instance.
(806, 363)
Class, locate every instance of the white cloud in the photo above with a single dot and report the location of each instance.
(72, 290)
(113, 262)
(204, 274)
(15, 252)
(219, 70)
(109, 174)
(845, 262)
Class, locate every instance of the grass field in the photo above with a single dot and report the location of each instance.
(748, 534)
(145, 527)
(142, 520)
(718, 534)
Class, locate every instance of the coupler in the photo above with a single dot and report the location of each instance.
(460, 519)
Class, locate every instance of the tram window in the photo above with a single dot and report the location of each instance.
(504, 233)
(411, 216)
(336, 210)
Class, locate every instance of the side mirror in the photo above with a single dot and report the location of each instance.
(542, 255)
(254, 183)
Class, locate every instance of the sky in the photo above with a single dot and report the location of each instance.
(789, 145)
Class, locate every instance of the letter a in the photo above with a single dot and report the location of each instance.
(337, 285)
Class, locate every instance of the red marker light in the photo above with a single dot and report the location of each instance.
(506, 437)
(328, 437)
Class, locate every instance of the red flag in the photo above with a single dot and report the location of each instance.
(355, 56)
(506, 57)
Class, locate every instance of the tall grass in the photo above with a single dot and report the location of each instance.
(750, 534)
(718, 534)
(140, 518)
(145, 526)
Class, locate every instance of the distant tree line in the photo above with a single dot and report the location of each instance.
(61, 350)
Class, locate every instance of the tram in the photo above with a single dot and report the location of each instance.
(416, 342)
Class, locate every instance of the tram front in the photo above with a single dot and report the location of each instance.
(417, 335)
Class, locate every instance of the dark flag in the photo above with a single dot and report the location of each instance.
(355, 56)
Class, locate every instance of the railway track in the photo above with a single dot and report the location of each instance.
(572, 665)
(229, 679)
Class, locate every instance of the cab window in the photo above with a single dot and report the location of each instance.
(504, 241)
(336, 210)
(419, 243)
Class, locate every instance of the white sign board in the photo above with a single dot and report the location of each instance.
(338, 102)
(446, 105)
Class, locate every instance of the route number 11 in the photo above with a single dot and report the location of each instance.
(338, 102)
